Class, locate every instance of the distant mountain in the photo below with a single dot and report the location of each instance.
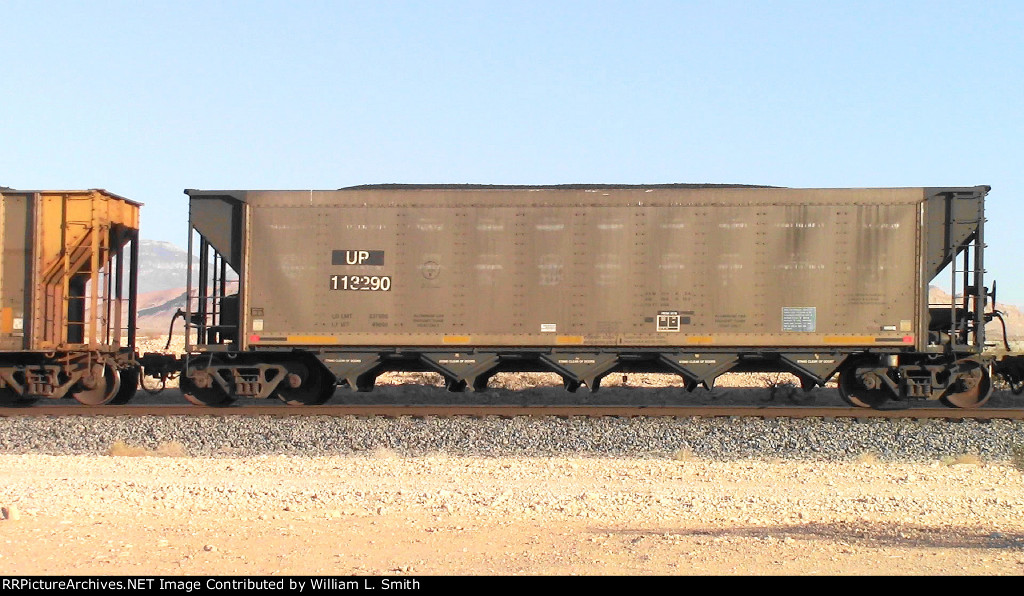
(156, 309)
(162, 266)
(163, 277)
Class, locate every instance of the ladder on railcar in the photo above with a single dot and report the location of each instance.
(214, 315)
(91, 274)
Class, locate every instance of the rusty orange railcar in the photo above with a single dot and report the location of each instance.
(68, 284)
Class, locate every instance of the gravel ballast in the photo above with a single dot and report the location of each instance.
(710, 438)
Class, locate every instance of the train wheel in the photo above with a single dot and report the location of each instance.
(977, 384)
(304, 386)
(100, 387)
(203, 396)
(853, 391)
(129, 385)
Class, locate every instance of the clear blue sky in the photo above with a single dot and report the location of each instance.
(146, 98)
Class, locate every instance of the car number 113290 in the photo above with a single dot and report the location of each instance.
(370, 283)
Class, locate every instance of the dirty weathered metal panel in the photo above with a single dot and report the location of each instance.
(952, 217)
(646, 267)
(219, 219)
(15, 218)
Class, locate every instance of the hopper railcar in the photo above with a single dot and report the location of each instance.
(68, 275)
(300, 291)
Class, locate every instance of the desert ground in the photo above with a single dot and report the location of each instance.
(160, 512)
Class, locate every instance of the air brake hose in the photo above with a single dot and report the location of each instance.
(170, 332)
(999, 316)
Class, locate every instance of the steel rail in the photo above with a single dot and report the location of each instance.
(506, 411)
